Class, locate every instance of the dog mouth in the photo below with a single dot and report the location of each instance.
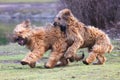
(62, 27)
(56, 24)
(21, 41)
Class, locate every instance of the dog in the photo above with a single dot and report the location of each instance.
(39, 40)
(82, 36)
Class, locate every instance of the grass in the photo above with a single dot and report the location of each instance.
(5, 29)
(78, 72)
(74, 71)
(24, 1)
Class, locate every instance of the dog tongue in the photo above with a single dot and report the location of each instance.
(21, 42)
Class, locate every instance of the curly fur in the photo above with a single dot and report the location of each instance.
(39, 40)
(82, 36)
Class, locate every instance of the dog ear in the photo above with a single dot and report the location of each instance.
(27, 23)
(67, 13)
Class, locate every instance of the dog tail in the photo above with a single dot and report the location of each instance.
(110, 48)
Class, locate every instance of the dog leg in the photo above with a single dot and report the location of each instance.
(63, 62)
(32, 57)
(53, 59)
(59, 48)
(101, 60)
(32, 65)
(78, 41)
(92, 57)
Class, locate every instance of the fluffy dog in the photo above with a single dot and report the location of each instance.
(82, 36)
(39, 40)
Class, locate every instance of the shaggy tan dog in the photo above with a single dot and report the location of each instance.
(82, 36)
(39, 40)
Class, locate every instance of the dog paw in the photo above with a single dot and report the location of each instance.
(85, 62)
(62, 63)
(68, 55)
(46, 66)
(32, 65)
(71, 59)
(24, 63)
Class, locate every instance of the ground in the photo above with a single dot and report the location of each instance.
(10, 56)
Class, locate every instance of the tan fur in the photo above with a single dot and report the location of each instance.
(39, 40)
(82, 36)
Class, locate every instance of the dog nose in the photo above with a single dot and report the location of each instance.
(55, 23)
(14, 38)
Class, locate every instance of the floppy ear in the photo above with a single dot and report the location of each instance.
(27, 23)
(66, 14)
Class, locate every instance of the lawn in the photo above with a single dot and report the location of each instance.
(11, 69)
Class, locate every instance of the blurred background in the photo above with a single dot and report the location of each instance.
(104, 14)
(12, 12)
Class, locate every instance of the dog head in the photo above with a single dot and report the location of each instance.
(21, 32)
(62, 19)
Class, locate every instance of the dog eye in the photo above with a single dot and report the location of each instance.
(59, 18)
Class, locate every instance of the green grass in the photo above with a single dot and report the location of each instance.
(74, 71)
(77, 72)
(5, 29)
(24, 1)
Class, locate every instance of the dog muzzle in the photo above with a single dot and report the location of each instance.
(21, 41)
